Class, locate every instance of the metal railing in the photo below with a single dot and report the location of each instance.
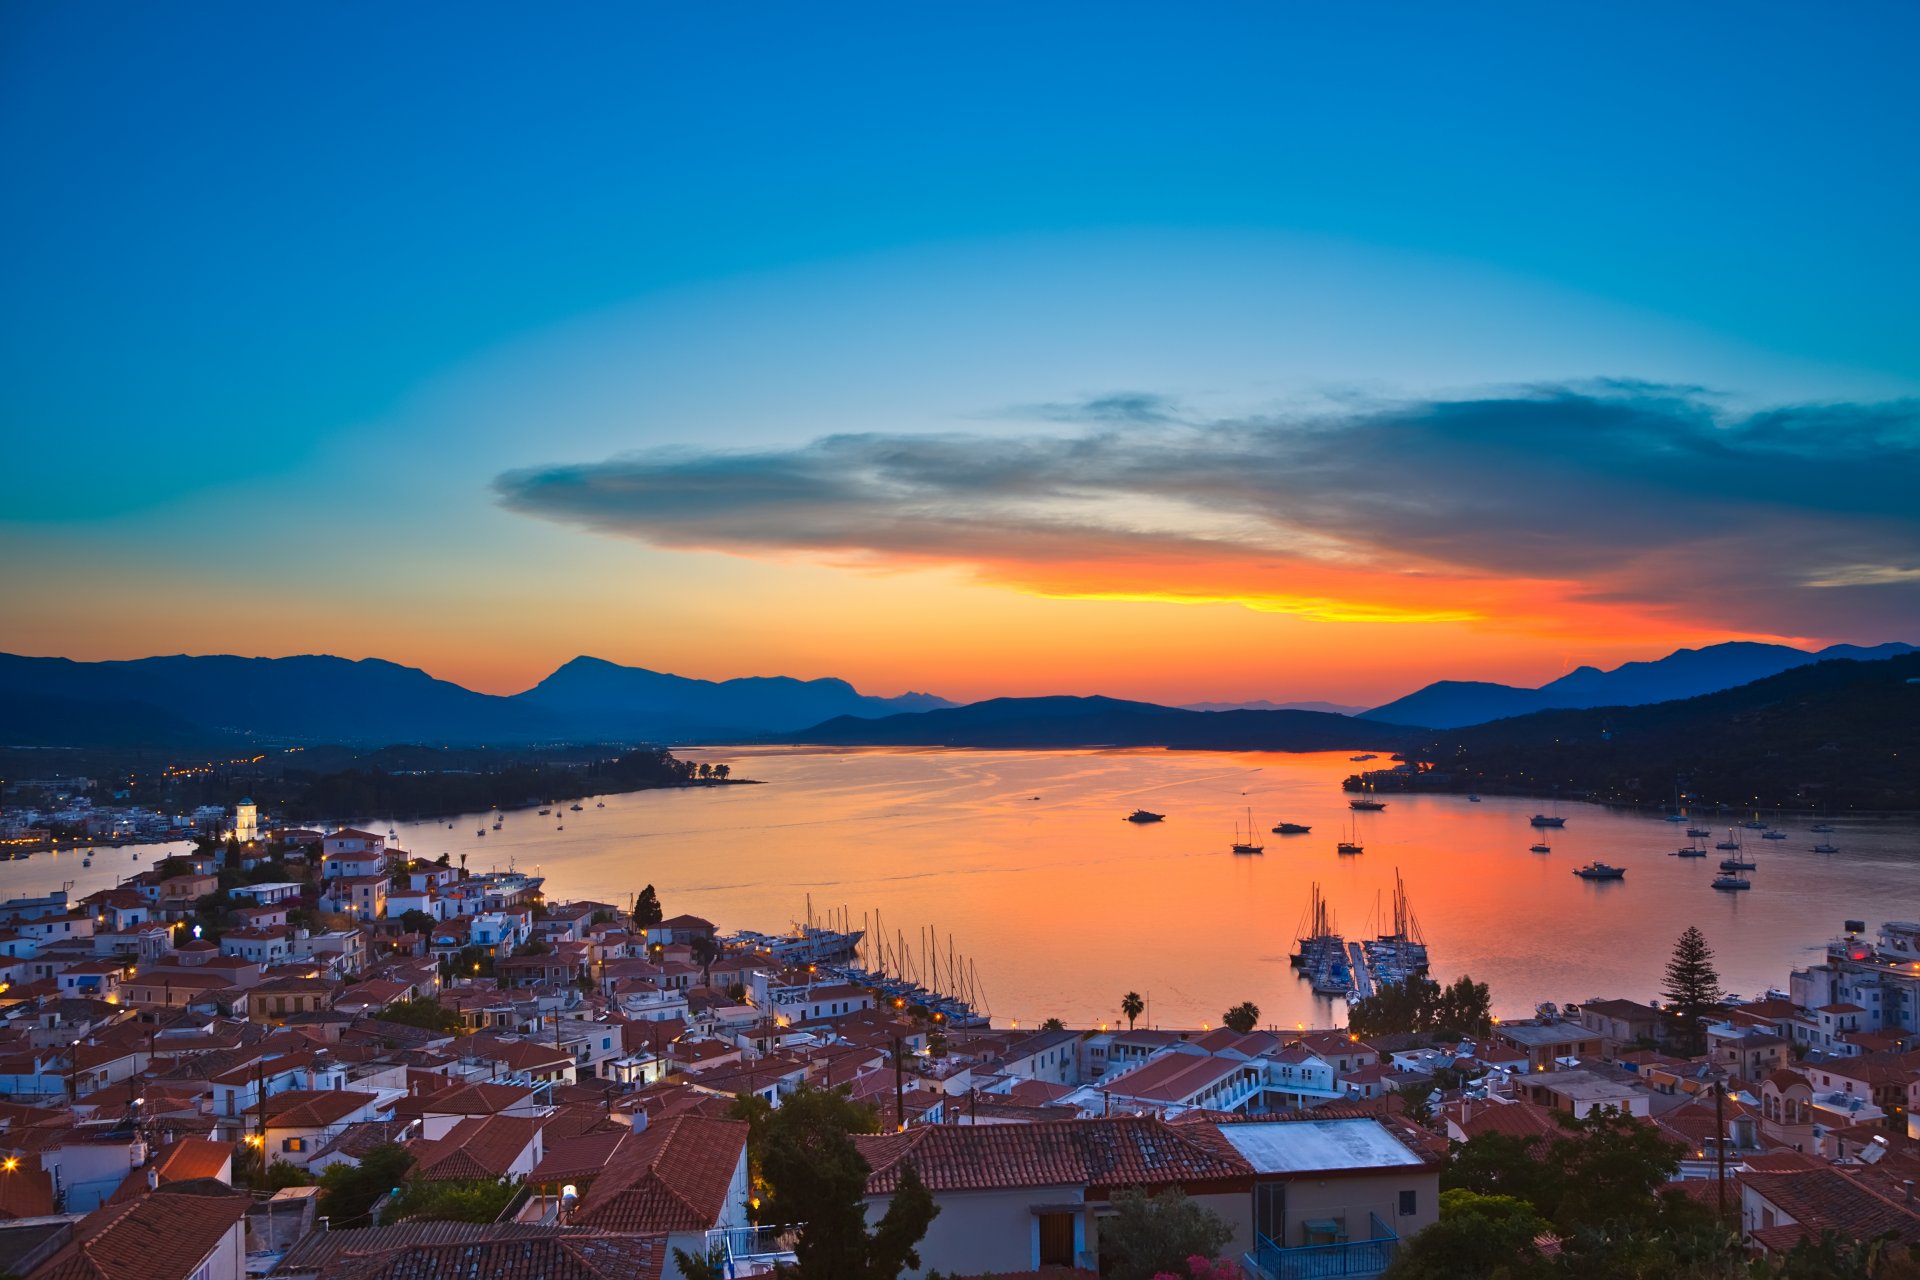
(1353, 1258)
(744, 1246)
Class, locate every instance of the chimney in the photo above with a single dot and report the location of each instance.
(153, 1182)
(1908, 1184)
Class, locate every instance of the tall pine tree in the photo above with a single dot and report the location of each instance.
(1692, 990)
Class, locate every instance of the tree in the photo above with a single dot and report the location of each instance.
(1612, 1167)
(1477, 1235)
(452, 1200)
(1243, 1017)
(646, 908)
(414, 920)
(1504, 1164)
(1692, 989)
(1132, 1006)
(1462, 1009)
(424, 1012)
(1053, 1024)
(722, 771)
(1148, 1236)
(1394, 1008)
(706, 771)
(706, 950)
(818, 1177)
(348, 1191)
(1417, 1097)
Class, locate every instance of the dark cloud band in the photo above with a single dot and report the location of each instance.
(1798, 520)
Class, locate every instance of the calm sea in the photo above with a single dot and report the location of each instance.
(1024, 860)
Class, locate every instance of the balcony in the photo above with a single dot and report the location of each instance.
(1354, 1258)
(752, 1251)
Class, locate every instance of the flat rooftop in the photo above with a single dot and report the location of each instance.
(1311, 1146)
(1543, 1034)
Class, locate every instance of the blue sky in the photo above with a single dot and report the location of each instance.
(261, 255)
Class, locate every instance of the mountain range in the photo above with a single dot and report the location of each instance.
(217, 701)
(1833, 736)
(1685, 673)
(185, 701)
(1012, 723)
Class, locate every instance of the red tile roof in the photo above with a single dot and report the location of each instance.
(558, 1257)
(674, 1176)
(476, 1147)
(162, 1236)
(1107, 1153)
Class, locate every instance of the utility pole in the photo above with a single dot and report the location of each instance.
(899, 1085)
(1720, 1141)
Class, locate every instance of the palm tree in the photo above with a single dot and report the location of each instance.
(1133, 1006)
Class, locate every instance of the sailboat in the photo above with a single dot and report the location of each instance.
(1352, 843)
(1247, 845)
(1731, 842)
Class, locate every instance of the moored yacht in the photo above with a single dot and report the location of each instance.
(1547, 820)
(1732, 882)
(1600, 871)
(1144, 815)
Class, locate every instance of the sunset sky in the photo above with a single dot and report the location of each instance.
(1181, 353)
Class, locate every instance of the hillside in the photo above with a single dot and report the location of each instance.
(1107, 722)
(1834, 735)
(218, 701)
(1685, 673)
(602, 699)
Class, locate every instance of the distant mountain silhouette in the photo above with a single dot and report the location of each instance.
(1832, 735)
(1261, 704)
(1106, 722)
(604, 699)
(1685, 673)
(179, 701)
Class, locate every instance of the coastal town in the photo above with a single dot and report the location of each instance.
(307, 1052)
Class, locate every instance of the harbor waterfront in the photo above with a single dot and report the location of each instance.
(1027, 862)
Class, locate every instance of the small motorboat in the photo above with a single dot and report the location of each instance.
(1821, 827)
(1145, 816)
(576, 808)
(1826, 847)
(1732, 882)
(600, 804)
(1601, 871)
(1541, 847)
(1473, 799)
(1773, 835)
(1698, 833)
(481, 832)
(1754, 824)
(1676, 817)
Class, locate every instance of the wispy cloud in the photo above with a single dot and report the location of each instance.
(1528, 508)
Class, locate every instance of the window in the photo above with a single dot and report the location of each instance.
(1409, 1203)
(293, 1144)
